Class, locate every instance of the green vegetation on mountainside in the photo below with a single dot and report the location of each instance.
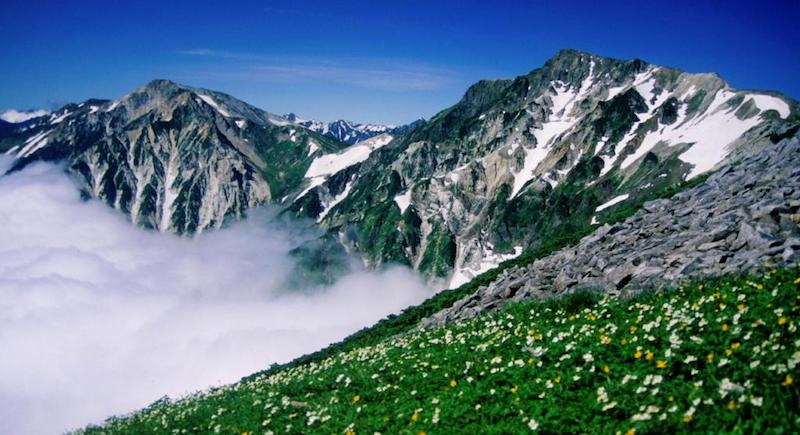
(716, 355)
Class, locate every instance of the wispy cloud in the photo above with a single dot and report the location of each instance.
(381, 74)
(297, 12)
(385, 79)
(221, 54)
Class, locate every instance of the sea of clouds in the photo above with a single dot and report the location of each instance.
(98, 317)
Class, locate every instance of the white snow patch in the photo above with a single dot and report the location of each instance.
(312, 147)
(316, 181)
(33, 144)
(58, 119)
(768, 102)
(594, 221)
(330, 164)
(613, 92)
(241, 123)
(15, 116)
(210, 101)
(532, 159)
(93, 109)
(403, 201)
(612, 201)
(600, 144)
(113, 105)
(280, 122)
(170, 194)
(336, 200)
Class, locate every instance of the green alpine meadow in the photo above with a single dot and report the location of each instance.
(717, 355)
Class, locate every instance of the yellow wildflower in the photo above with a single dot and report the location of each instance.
(797, 281)
(606, 369)
(788, 381)
(631, 431)
(356, 398)
(414, 416)
(624, 341)
(710, 357)
(638, 354)
(514, 389)
(725, 327)
(732, 405)
(453, 383)
(557, 379)
(661, 364)
(687, 418)
(782, 321)
(649, 356)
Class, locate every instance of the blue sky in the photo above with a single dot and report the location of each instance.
(371, 61)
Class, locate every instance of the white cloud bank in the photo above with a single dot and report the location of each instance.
(15, 116)
(99, 318)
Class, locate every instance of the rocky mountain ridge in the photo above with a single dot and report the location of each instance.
(742, 218)
(550, 151)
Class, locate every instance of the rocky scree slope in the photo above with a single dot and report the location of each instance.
(171, 157)
(743, 217)
(548, 152)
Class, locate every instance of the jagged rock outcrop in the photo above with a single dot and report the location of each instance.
(742, 218)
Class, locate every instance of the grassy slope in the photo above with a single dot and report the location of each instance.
(720, 355)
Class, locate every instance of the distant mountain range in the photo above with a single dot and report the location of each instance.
(350, 132)
(557, 149)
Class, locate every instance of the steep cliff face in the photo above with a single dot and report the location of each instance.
(173, 158)
(544, 153)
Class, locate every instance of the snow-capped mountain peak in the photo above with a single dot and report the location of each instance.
(345, 131)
